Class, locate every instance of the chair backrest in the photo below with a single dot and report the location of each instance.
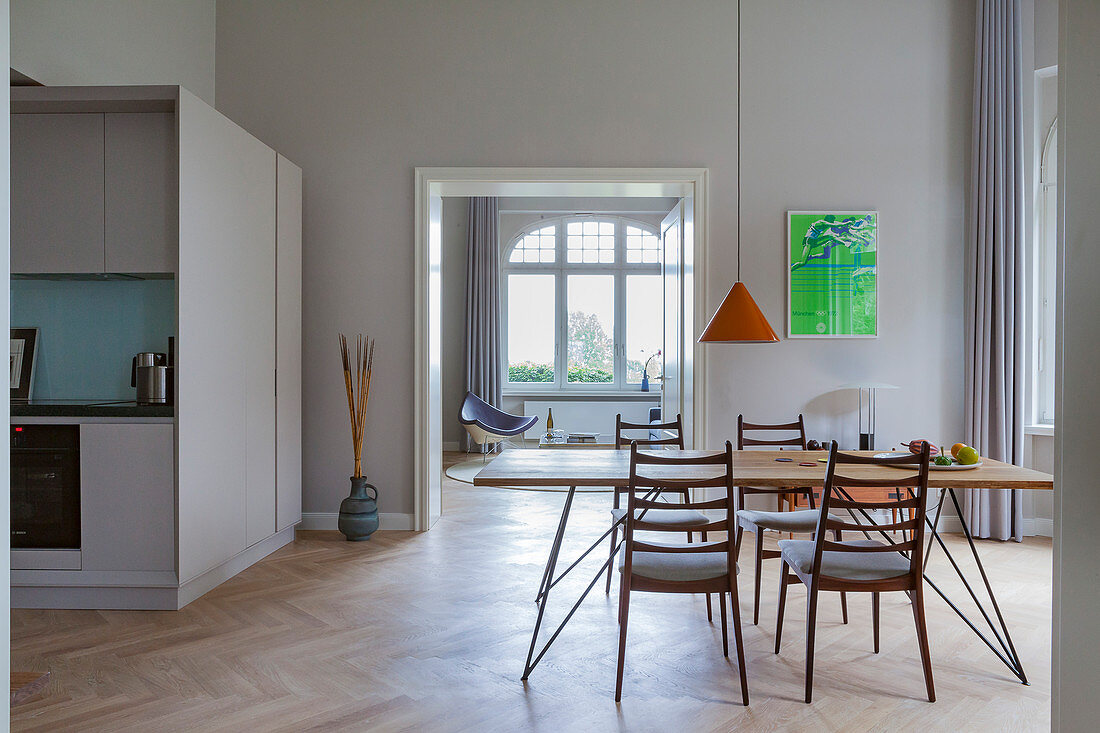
(781, 435)
(650, 472)
(622, 441)
(476, 411)
(912, 493)
(751, 441)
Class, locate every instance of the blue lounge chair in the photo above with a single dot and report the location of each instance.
(486, 424)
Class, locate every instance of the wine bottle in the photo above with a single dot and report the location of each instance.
(550, 419)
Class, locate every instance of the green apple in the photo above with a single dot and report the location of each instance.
(968, 456)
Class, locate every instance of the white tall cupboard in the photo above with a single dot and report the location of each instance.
(288, 344)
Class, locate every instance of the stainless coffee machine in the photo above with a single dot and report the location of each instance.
(149, 374)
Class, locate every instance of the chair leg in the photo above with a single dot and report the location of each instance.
(758, 535)
(843, 596)
(624, 608)
(725, 636)
(704, 539)
(922, 641)
(811, 629)
(874, 617)
(783, 571)
(735, 611)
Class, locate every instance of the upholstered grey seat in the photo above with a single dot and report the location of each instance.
(848, 565)
(665, 517)
(801, 521)
(677, 566)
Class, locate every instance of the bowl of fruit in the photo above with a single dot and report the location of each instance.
(961, 457)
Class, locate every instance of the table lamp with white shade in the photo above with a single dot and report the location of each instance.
(867, 437)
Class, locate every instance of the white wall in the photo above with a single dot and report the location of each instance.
(1076, 642)
(62, 42)
(5, 406)
(1046, 33)
(847, 105)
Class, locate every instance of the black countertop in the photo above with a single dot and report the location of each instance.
(87, 408)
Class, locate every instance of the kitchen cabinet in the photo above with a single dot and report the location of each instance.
(141, 218)
(57, 193)
(127, 497)
(94, 193)
(191, 193)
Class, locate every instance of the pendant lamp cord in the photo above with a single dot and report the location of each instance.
(738, 140)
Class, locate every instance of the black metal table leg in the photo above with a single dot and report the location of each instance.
(1001, 645)
(547, 575)
(549, 581)
(1004, 639)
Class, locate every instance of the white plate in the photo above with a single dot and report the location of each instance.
(932, 466)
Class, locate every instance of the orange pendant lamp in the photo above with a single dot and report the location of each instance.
(738, 319)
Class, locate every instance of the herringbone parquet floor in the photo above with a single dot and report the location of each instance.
(427, 632)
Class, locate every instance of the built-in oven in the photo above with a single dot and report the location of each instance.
(45, 487)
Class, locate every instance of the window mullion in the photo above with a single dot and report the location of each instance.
(562, 316)
(620, 305)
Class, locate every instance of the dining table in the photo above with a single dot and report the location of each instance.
(775, 469)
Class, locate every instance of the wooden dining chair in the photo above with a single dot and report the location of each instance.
(759, 521)
(668, 435)
(702, 567)
(868, 565)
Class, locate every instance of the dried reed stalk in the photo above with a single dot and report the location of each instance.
(357, 386)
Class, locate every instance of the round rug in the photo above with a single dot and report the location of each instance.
(466, 470)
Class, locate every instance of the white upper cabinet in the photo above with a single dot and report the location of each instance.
(141, 199)
(56, 193)
(94, 193)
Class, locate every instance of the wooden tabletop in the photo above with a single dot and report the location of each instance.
(750, 468)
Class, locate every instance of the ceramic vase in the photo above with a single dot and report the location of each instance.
(359, 512)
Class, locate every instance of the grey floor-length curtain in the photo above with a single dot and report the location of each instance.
(995, 260)
(483, 347)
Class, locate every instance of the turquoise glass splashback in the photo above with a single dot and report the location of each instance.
(89, 330)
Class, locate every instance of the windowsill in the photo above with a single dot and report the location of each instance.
(574, 394)
(1047, 430)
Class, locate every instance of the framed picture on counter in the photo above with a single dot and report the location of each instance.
(24, 349)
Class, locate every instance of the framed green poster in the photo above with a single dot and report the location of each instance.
(832, 274)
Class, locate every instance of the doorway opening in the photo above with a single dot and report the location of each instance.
(618, 253)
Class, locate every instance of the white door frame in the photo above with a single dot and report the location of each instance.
(431, 185)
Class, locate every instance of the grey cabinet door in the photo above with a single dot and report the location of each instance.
(141, 192)
(57, 193)
(127, 497)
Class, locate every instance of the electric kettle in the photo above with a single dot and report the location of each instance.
(149, 375)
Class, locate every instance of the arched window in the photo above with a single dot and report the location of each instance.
(583, 307)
